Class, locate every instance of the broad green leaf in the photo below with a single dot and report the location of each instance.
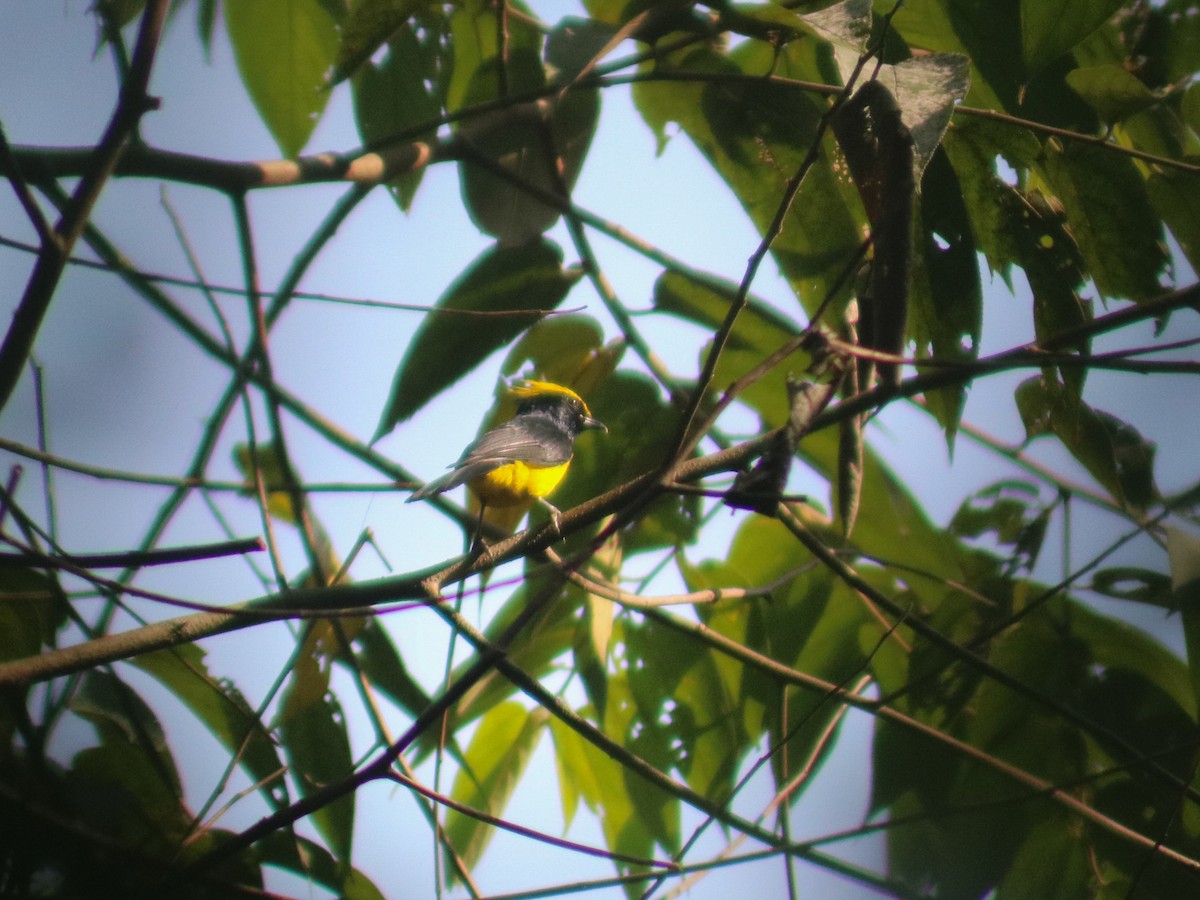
(1133, 583)
(284, 50)
(625, 402)
(380, 662)
(29, 623)
(545, 640)
(1048, 30)
(505, 282)
(126, 792)
(541, 145)
(220, 706)
(1183, 557)
(368, 26)
(1118, 645)
(122, 718)
(585, 771)
(755, 135)
(679, 684)
(393, 97)
(1113, 451)
(474, 43)
(308, 859)
(496, 759)
(1175, 198)
(1111, 90)
(1052, 864)
(315, 739)
(564, 349)
(576, 43)
(986, 32)
(1109, 213)
(946, 302)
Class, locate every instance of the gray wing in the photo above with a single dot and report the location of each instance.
(532, 441)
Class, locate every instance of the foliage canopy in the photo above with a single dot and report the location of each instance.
(890, 156)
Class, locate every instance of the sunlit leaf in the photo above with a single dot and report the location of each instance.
(496, 760)
(1111, 90)
(284, 50)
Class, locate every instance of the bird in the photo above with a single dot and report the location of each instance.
(522, 460)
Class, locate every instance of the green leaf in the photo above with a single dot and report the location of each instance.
(27, 624)
(474, 44)
(264, 461)
(284, 50)
(392, 98)
(220, 706)
(1133, 583)
(672, 676)
(496, 759)
(1048, 30)
(1113, 451)
(575, 43)
(585, 771)
(1175, 198)
(1110, 215)
(379, 660)
(947, 296)
(448, 345)
(755, 134)
(1052, 863)
(1111, 90)
(308, 859)
(122, 718)
(368, 26)
(314, 736)
(546, 639)
(541, 145)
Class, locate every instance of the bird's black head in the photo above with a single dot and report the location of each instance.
(558, 404)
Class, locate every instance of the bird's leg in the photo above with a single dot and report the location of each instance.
(477, 545)
(555, 515)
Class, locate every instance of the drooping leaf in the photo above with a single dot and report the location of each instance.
(33, 615)
(308, 859)
(1174, 195)
(220, 706)
(397, 95)
(1113, 451)
(1134, 583)
(755, 134)
(504, 281)
(123, 718)
(1049, 30)
(1111, 90)
(284, 50)
(496, 759)
(1119, 235)
(316, 740)
(369, 25)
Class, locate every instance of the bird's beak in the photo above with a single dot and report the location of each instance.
(589, 422)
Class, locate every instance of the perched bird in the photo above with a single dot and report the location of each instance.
(522, 460)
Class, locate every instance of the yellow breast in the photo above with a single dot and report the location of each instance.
(517, 483)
